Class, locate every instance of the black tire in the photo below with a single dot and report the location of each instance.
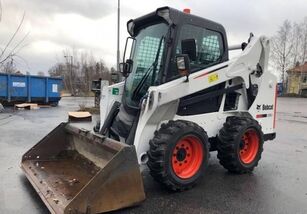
(231, 146)
(166, 141)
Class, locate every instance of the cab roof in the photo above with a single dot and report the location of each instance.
(171, 16)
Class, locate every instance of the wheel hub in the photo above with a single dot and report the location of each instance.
(242, 144)
(249, 146)
(181, 154)
(187, 157)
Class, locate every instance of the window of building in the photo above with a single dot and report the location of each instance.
(305, 79)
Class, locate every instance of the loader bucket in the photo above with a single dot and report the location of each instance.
(75, 171)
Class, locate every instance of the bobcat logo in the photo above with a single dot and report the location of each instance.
(264, 107)
(258, 107)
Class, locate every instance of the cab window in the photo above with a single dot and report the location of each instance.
(209, 46)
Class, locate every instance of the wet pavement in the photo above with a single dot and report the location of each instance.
(278, 184)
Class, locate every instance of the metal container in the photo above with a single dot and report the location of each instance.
(15, 88)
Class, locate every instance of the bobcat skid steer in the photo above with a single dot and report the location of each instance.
(182, 98)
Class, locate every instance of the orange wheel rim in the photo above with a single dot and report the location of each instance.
(187, 157)
(249, 146)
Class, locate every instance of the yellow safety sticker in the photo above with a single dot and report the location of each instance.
(213, 78)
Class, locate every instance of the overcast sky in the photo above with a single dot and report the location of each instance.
(90, 25)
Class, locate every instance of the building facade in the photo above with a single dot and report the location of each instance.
(297, 80)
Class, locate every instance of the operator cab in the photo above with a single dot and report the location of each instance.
(164, 45)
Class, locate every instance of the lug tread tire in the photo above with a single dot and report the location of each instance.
(229, 137)
(158, 153)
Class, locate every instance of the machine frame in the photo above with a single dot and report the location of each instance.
(161, 103)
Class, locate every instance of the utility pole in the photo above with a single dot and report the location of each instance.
(71, 73)
(118, 34)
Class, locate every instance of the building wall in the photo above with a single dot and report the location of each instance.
(293, 84)
(296, 83)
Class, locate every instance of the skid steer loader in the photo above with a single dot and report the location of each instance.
(182, 98)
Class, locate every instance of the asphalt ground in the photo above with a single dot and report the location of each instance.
(277, 185)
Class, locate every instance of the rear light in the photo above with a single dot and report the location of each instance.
(275, 107)
(187, 10)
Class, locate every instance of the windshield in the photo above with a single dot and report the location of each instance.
(147, 55)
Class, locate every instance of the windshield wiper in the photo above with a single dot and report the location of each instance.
(153, 68)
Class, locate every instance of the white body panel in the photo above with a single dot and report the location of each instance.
(108, 97)
(162, 102)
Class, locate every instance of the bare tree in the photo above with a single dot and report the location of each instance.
(297, 44)
(85, 69)
(9, 66)
(304, 40)
(10, 50)
(40, 73)
(282, 48)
